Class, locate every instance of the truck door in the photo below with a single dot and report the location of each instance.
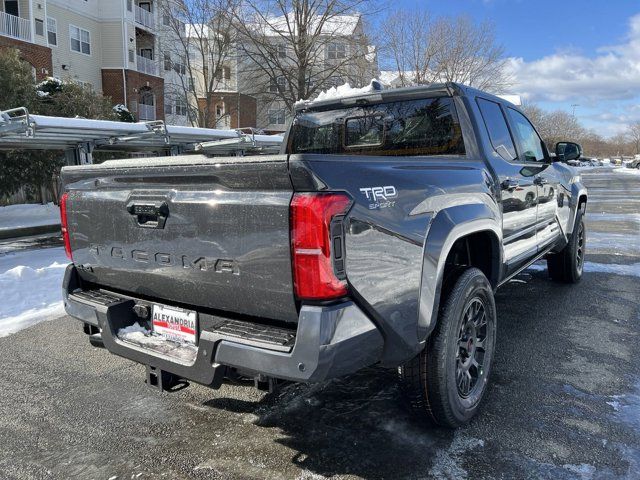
(519, 194)
(532, 149)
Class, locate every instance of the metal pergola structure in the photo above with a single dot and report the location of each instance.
(80, 137)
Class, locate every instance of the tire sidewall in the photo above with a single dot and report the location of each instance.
(576, 274)
(478, 287)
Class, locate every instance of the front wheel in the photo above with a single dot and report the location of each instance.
(567, 265)
(447, 381)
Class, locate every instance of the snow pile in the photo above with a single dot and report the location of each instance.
(138, 335)
(28, 215)
(343, 91)
(123, 113)
(120, 108)
(31, 286)
(49, 86)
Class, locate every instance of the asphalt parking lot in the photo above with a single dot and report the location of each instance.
(564, 401)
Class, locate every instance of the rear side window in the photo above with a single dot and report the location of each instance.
(364, 131)
(498, 130)
(427, 126)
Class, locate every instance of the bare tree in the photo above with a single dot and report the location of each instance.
(560, 125)
(633, 134)
(407, 38)
(200, 49)
(293, 49)
(444, 50)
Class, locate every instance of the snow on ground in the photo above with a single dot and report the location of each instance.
(31, 286)
(631, 270)
(28, 215)
(631, 171)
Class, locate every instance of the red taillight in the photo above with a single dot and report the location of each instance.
(65, 226)
(313, 272)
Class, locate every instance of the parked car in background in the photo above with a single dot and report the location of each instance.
(635, 163)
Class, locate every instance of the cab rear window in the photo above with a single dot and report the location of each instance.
(412, 127)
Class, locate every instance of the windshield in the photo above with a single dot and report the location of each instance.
(412, 127)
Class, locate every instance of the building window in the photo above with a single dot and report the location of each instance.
(167, 62)
(52, 31)
(181, 108)
(80, 40)
(39, 27)
(219, 110)
(11, 7)
(276, 116)
(227, 73)
(86, 85)
(190, 84)
(146, 53)
(129, 5)
(337, 50)
(168, 108)
(277, 84)
(282, 51)
(166, 20)
(179, 67)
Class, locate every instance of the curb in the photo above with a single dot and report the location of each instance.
(28, 231)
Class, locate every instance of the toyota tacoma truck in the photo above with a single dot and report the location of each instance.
(377, 237)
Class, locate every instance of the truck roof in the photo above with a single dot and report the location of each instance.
(403, 93)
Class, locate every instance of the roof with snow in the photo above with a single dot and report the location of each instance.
(197, 30)
(346, 95)
(338, 25)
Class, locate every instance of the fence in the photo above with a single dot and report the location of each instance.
(16, 27)
(47, 193)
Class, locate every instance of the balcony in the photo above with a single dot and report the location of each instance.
(144, 18)
(146, 112)
(15, 27)
(146, 65)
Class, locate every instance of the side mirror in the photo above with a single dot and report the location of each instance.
(566, 151)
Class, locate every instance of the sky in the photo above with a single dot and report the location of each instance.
(566, 52)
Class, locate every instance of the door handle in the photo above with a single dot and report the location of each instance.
(509, 184)
(149, 214)
(540, 181)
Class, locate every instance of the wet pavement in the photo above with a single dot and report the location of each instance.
(564, 401)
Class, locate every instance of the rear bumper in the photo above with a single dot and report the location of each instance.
(330, 341)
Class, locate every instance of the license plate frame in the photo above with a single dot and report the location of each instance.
(175, 324)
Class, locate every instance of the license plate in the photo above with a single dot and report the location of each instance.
(175, 324)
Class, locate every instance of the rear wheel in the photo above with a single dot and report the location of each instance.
(447, 381)
(567, 265)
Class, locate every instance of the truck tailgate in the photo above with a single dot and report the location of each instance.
(205, 232)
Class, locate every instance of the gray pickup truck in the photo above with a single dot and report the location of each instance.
(378, 236)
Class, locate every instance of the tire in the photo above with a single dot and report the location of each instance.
(568, 265)
(441, 383)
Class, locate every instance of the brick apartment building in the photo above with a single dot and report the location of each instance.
(129, 50)
(109, 46)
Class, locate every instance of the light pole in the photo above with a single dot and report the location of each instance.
(573, 106)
